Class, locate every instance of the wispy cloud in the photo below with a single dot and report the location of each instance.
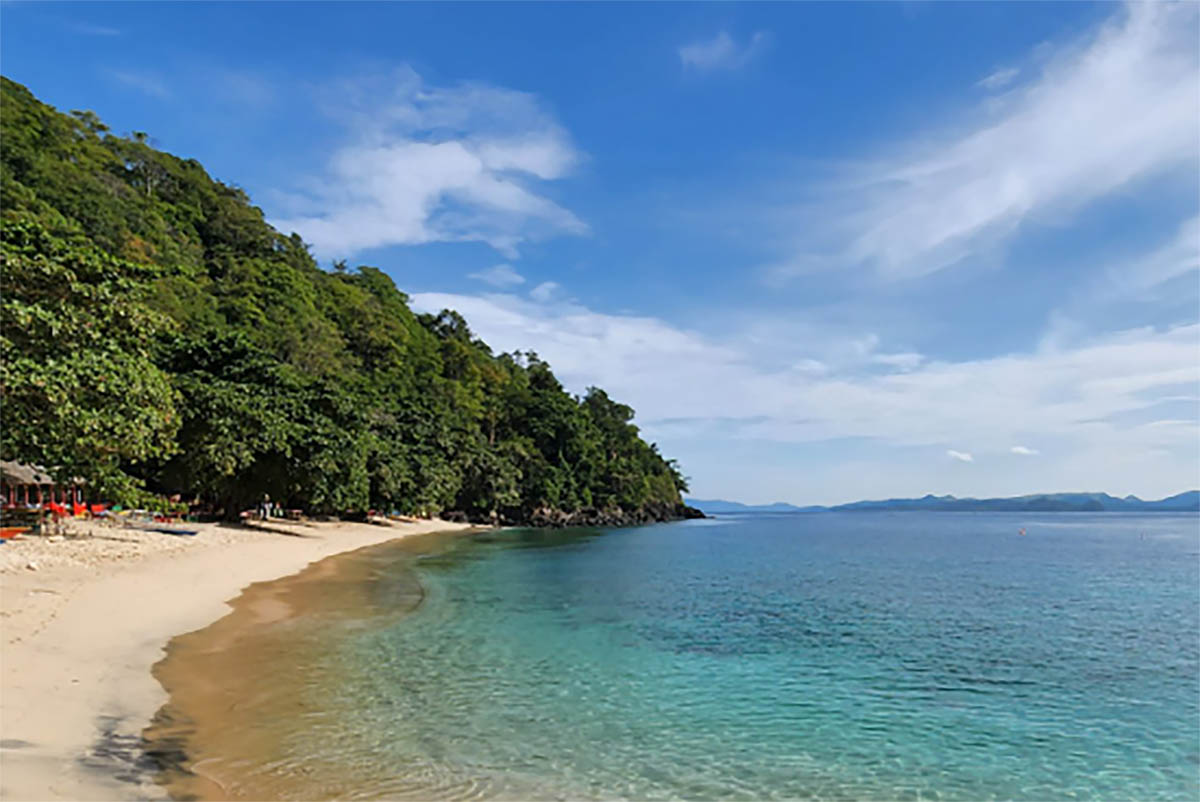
(1025, 451)
(999, 79)
(87, 29)
(146, 82)
(243, 87)
(436, 164)
(1178, 257)
(721, 52)
(499, 276)
(1115, 108)
(961, 456)
(545, 292)
(905, 360)
(1140, 284)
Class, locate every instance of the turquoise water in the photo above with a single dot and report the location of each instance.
(828, 656)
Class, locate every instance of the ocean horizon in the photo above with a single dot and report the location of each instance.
(763, 656)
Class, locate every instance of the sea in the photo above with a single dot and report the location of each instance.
(832, 656)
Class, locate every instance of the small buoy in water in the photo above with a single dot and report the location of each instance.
(1021, 531)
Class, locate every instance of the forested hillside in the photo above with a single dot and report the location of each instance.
(158, 336)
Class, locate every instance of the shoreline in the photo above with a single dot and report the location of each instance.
(83, 631)
(240, 689)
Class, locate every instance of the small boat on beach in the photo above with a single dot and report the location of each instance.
(173, 530)
(150, 525)
(166, 529)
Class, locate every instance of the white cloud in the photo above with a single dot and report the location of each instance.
(721, 52)
(142, 81)
(499, 276)
(692, 390)
(1000, 78)
(436, 164)
(813, 367)
(1114, 109)
(544, 292)
(961, 456)
(902, 361)
(1025, 451)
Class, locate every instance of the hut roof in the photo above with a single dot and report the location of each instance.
(20, 474)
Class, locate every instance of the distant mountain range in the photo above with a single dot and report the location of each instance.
(716, 506)
(1042, 502)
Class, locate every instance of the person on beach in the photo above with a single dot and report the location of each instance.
(264, 509)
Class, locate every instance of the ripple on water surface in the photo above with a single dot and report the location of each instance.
(860, 656)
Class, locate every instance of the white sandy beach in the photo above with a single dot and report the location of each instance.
(82, 630)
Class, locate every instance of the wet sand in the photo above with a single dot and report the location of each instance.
(242, 687)
(84, 626)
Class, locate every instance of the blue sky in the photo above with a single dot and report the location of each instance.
(827, 251)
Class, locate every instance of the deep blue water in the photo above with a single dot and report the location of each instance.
(833, 656)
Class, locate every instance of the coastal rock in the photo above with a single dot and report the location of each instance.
(587, 516)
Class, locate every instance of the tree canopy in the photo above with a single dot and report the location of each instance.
(157, 333)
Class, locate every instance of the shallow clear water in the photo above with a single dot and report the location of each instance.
(831, 656)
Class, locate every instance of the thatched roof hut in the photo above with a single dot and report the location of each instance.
(19, 474)
(22, 483)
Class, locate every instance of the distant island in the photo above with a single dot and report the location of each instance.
(1042, 502)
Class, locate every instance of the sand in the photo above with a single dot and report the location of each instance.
(82, 628)
(247, 689)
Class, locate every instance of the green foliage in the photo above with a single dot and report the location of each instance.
(79, 387)
(158, 333)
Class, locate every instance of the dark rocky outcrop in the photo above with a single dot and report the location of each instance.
(588, 516)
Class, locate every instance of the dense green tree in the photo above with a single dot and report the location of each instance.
(157, 330)
(79, 389)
